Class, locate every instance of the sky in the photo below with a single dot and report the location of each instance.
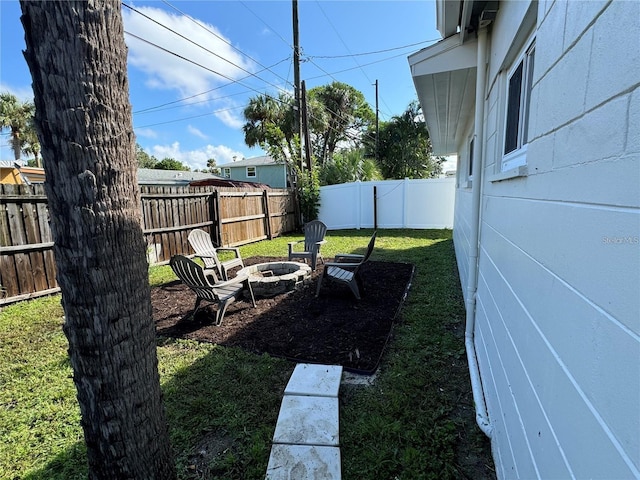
(194, 65)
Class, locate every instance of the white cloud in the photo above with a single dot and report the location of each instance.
(230, 118)
(146, 133)
(196, 159)
(195, 131)
(166, 71)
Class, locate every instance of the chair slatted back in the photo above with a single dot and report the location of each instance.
(201, 242)
(314, 232)
(192, 275)
(372, 242)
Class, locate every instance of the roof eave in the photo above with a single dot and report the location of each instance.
(445, 76)
(447, 16)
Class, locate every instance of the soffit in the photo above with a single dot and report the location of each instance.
(445, 78)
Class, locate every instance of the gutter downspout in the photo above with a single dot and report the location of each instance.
(482, 416)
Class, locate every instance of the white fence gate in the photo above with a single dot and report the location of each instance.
(389, 204)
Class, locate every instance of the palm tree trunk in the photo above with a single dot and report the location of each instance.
(77, 57)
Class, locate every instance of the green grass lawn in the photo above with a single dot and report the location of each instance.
(416, 421)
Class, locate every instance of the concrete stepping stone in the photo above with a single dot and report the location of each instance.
(304, 462)
(305, 420)
(314, 380)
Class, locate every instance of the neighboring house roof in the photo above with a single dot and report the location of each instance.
(252, 162)
(152, 176)
(20, 173)
(32, 174)
(227, 182)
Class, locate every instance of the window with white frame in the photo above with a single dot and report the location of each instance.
(471, 147)
(519, 84)
(251, 172)
(226, 172)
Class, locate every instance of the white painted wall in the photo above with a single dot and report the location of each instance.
(558, 301)
(404, 203)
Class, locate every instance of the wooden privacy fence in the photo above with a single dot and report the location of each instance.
(233, 216)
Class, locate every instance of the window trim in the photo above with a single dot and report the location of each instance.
(226, 172)
(470, 155)
(251, 169)
(518, 156)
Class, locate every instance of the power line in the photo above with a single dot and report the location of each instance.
(266, 24)
(371, 53)
(222, 39)
(198, 45)
(159, 107)
(192, 117)
(193, 62)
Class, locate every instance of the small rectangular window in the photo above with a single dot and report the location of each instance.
(516, 135)
(226, 172)
(513, 110)
(251, 172)
(471, 146)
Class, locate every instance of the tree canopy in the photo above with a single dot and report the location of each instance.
(338, 113)
(405, 147)
(144, 159)
(18, 117)
(269, 124)
(171, 164)
(349, 166)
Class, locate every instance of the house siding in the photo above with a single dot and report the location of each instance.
(558, 309)
(272, 175)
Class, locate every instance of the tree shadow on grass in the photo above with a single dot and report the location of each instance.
(222, 404)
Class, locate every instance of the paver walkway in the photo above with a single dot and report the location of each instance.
(306, 438)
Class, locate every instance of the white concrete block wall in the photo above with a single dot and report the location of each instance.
(462, 234)
(558, 312)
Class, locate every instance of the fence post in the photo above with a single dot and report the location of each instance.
(216, 227)
(267, 214)
(405, 202)
(358, 202)
(375, 207)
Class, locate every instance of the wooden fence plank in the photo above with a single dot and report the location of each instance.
(233, 216)
(32, 230)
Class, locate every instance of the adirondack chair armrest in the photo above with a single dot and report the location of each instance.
(340, 257)
(233, 281)
(345, 266)
(293, 244)
(207, 254)
(321, 242)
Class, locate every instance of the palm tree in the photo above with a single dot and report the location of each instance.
(78, 61)
(31, 145)
(270, 125)
(345, 114)
(16, 116)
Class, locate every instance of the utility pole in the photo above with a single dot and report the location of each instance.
(305, 127)
(296, 79)
(377, 127)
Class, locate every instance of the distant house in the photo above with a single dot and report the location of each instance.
(258, 169)
(152, 176)
(12, 172)
(540, 100)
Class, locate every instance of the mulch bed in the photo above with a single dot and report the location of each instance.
(334, 328)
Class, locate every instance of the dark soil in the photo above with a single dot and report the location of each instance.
(334, 328)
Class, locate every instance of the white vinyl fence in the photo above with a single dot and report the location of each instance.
(397, 204)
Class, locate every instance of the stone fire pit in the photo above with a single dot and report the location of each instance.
(274, 278)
